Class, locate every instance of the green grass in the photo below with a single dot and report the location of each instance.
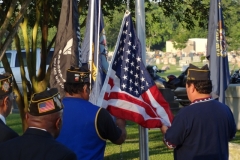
(129, 150)
(14, 122)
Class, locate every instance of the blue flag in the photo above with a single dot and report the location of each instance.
(217, 51)
(99, 52)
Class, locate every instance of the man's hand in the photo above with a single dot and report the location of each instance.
(164, 129)
(121, 123)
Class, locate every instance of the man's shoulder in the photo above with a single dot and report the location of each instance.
(7, 132)
(45, 143)
(50, 148)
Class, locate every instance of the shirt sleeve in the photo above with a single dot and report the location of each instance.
(179, 130)
(107, 127)
(232, 125)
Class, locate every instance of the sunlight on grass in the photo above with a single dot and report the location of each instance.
(130, 149)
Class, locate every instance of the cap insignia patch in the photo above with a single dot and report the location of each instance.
(5, 86)
(46, 106)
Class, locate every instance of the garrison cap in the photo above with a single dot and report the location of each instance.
(5, 84)
(195, 73)
(77, 75)
(45, 102)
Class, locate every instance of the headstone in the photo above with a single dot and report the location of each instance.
(196, 59)
(158, 60)
(165, 60)
(230, 57)
(173, 61)
(187, 59)
(170, 55)
(233, 60)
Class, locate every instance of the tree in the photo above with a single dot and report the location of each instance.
(10, 26)
(232, 23)
(158, 27)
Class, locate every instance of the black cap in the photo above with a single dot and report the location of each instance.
(77, 75)
(45, 102)
(5, 84)
(195, 73)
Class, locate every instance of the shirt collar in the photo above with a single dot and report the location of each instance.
(201, 100)
(3, 119)
(38, 128)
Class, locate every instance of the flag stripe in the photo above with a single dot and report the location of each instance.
(134, 116)
(127, 98)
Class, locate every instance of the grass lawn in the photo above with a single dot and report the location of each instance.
(130, 149)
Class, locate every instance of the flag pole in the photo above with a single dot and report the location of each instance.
(140, 27)
(98, 35)
(91, 40)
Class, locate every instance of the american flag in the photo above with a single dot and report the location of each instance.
(129, 92)
(46, 106)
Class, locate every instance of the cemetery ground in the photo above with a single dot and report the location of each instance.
(129, 150)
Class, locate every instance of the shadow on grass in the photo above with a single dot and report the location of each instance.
(134, 154)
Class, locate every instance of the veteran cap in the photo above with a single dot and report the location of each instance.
(195, 73)
(77, 75)
(45, 102)
(5, 84)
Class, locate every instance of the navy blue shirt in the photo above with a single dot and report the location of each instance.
(202, 131)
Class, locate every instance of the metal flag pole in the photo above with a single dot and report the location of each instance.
(140, 27)
(91, 38)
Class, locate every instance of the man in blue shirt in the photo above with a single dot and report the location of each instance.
(86, 127)
(200, 131)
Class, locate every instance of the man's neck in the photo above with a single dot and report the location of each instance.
(73, 95)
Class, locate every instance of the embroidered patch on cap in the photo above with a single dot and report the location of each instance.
(46, 106)
(5, 86)
(77, 75)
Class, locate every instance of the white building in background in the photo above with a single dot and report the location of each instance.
(200, 45)
(194, 45)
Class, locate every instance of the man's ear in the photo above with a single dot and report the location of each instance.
(59, 123)
(5, 102)
(86, 89)
(192, 88)
(26, 116)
